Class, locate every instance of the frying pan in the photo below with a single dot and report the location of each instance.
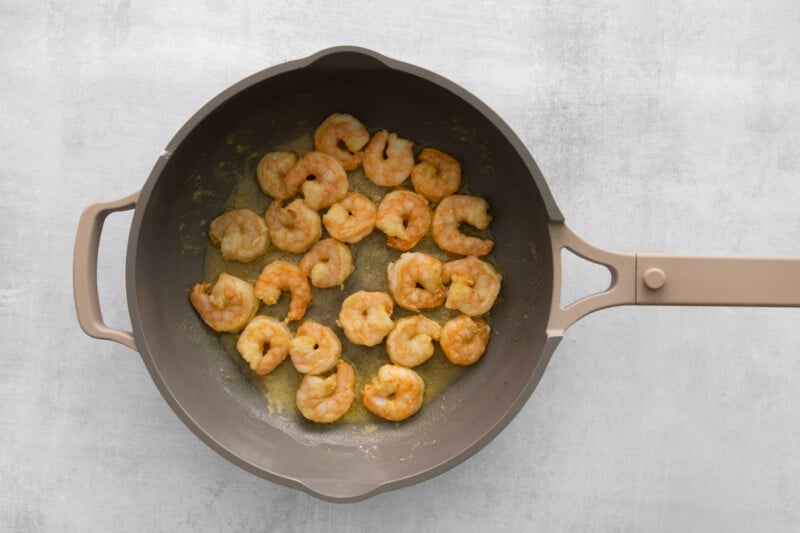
(191, 179)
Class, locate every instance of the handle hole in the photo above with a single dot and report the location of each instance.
(111, 270)
(581, 277)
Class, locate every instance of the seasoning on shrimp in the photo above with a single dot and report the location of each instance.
(320, 177)
(410, 343)
(450, 213)
(241, 235)
(264, 344)
(328, 263)
(338, 129)
(351, 219)
(366, 317)
(464, 339)
(436, 175)
(395, 394)
(293, 228)
(415, 281)
(388, 159)
(474, 285)
(280, 276)
(327, 399)
(230, 304)
(270, 172)
(404, 217)
(315, 348)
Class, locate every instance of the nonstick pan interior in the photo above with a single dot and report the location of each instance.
(165, 259)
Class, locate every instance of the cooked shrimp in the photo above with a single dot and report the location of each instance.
(395, 393)
(281, 276)
(388, 159)
(264, 344)
(241, 235)
(230, 305)
(366, 317)
(404, 217)
(474, 285)
(464, 339)
(315, 348)
(293, 228)
(451, 212)
(328, 263)
(410, 343)
(338, 129)
(351, 219)
(415, 281)
(270, 172)
(327, 399)
(321, 178)
(436, 175)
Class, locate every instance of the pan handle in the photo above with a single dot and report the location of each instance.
(621, 291)
(84, 270)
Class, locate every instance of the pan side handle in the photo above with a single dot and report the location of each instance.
(84, 270)
(621, 291)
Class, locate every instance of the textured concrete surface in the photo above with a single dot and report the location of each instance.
(660, 127)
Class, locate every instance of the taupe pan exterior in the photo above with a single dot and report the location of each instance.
(344, 463)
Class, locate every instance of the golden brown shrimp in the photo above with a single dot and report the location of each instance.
(404, 217)
(241, 235)
(328, 183)
(415, 281)
(395, 393)
(464, 339)
(264, 344)
(388, 159)
(474, 285)
(293, 228)
(328, 263)
(351, 219)
(230, 305)
(410, 343)
(436, 175)
(451, 212)
(327, 399)
(338, 129)
(315, 348)
(281, 276)
(366, 317)
(270, 172)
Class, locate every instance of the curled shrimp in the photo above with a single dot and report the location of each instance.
(410, 343)
(464, 339)
(415, 281)
(315, 348)
(264, 343)
(388, 159)
(351, 218)
(281, 276)
(293, 228)
(241, 235)
(327, 399)
(338, 129)
(270, 172)
(404, 217)
(395, 393)
(230, 304)
(328, 263)
(474, 285)
(451, 212)
(366, 317)
(328, 183)
(436, 175)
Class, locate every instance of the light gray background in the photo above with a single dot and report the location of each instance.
(660, 127)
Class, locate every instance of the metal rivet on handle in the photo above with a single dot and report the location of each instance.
(654, 278)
